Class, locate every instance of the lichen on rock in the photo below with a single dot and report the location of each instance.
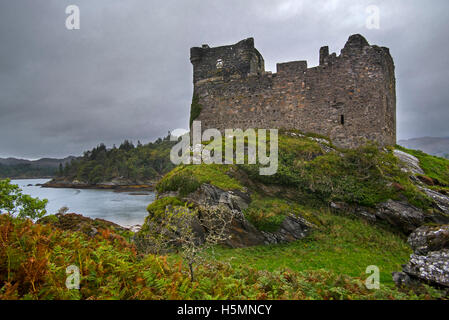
(430, 261)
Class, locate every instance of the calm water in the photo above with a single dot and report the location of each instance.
(123, 208)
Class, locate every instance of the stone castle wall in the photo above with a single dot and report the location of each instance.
(350, 98)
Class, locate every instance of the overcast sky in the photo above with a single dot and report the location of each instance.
(126, 73)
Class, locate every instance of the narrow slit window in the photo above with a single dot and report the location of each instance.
(342, 119)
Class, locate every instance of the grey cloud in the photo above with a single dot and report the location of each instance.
(126, 74)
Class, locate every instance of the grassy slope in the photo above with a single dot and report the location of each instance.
(188, 178)
(307, 176)
(342, 244)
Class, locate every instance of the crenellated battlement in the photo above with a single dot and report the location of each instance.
(350, 97)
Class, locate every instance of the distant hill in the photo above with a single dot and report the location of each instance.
(431, 145)
(22, 168)
(44, 162)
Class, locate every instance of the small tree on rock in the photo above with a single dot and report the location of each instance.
(189, 231)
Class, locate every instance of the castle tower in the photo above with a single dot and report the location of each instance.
(351, 98)
(238, 60)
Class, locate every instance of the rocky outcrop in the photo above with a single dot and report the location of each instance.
(432, 268)
(367, 214)
(441, 201)
(427, 239)
(401, 215)
(292, 228)
(409, 163)
(77, 222)
(243, 233)
(429, 262)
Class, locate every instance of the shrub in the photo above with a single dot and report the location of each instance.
(267, 214)
(157, 208)
(179, 181)
(12, 201)
(34, 258)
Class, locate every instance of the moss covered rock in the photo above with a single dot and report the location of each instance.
(88, 226)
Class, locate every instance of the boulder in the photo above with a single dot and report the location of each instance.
(427, 239)
(401, 215)
(402, 279)
(432, 268)
(243, 233)
(429, 262)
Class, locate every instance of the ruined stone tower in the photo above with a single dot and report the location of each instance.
(350, 98)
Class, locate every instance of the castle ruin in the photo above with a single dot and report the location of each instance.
(350, 98)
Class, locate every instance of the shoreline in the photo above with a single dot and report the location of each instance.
(124, 188)
(18, 178)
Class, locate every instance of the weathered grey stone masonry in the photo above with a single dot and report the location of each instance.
(350, 98)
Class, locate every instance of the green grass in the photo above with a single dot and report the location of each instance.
(342, 244)
(267, 214)
(365, 176)
(157, 208)
(188, 178)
